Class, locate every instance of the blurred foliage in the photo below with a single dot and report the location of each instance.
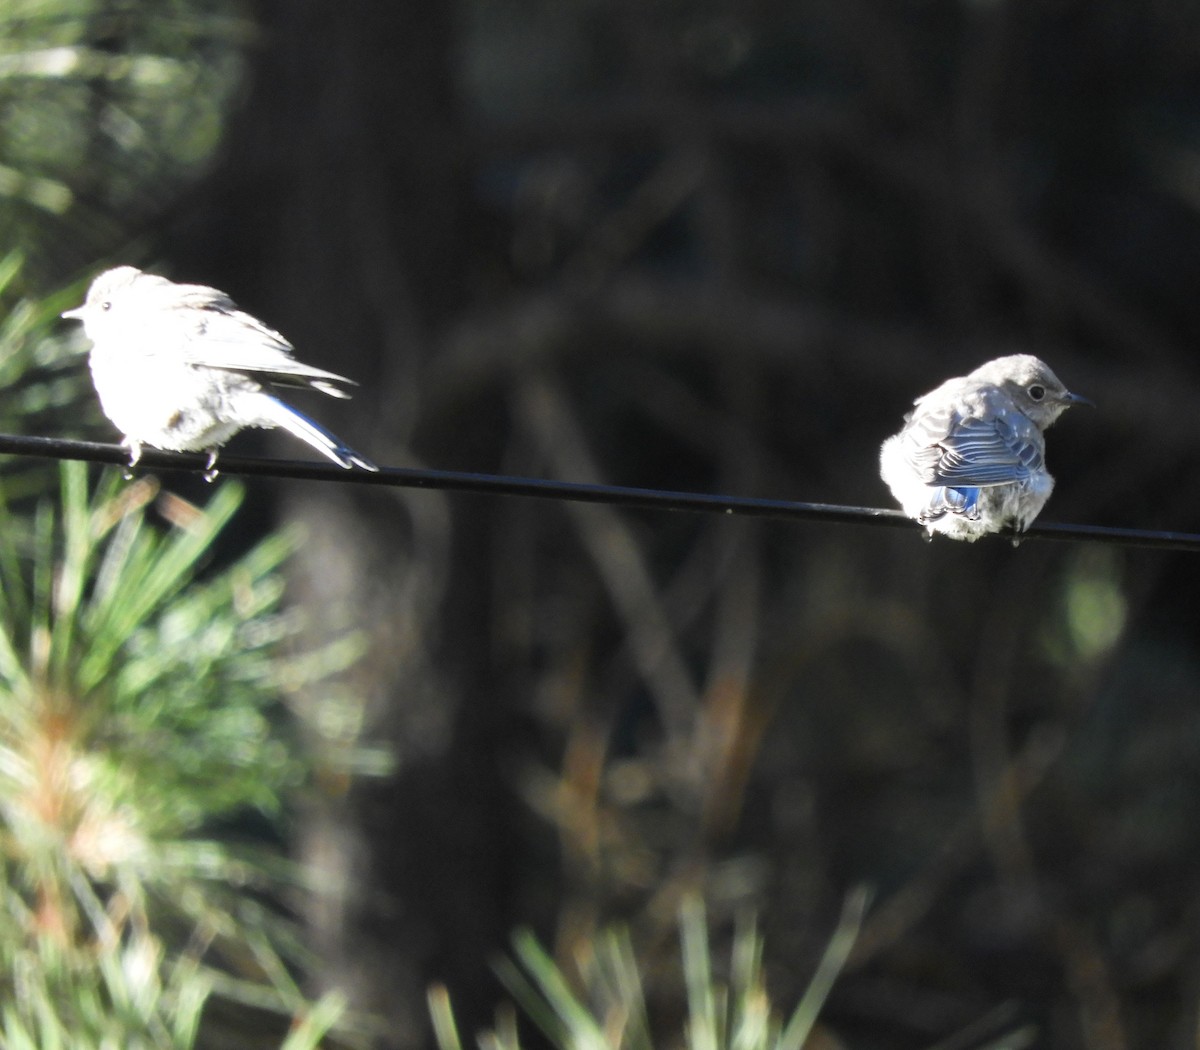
(601, 1003)
(107, 110)
(138, 715)
(44, 376)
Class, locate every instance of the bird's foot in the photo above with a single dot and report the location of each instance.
(135, 453)
(210, 467)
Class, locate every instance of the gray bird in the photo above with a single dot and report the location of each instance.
(180, 367)
(971, 457)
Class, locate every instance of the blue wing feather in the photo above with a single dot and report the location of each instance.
(979, 450)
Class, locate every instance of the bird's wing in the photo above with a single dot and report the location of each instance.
(948, 446)
(218, 335)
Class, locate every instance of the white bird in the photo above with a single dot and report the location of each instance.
(970, 459)
(180, 367)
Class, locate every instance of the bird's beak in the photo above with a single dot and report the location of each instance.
(1068, 397)
(73, 315)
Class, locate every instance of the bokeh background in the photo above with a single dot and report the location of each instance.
(716, 245)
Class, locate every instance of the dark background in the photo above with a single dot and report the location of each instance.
(720, 246)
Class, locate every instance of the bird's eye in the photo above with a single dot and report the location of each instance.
(1037, 392)
(106, 305)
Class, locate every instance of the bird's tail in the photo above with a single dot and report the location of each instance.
(961, 501)
(277, 413)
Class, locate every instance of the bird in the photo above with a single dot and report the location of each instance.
(971, 457)
(180, 367)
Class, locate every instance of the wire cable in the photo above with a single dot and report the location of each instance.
(540, 488)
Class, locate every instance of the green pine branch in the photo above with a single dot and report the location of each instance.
(139, 708)
(605, 1007)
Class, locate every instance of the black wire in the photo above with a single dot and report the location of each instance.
(538, 488)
